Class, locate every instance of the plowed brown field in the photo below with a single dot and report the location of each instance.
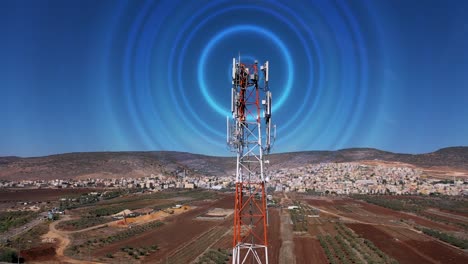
(39, 195)
(308, 250)
(177, 232)
(424, 250)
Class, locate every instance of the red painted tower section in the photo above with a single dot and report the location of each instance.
(247, 138)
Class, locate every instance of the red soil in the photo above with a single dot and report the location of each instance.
(439, 252)
(329, 202)
(456, 213)
(226, 202)
(418, 220)
(274, 237)
(225, 242)
(168, 237)
(410, 251)
(308, 250)
(447, 218)
(39, 195)
(176, 231)
(45, 252)
(378, 210)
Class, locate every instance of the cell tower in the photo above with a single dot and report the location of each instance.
(251, 140)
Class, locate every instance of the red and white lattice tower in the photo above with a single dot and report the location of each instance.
(249, 135)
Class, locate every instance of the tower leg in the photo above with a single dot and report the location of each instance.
(250, 240)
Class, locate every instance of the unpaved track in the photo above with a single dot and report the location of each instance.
(286, 254)
(63, 240)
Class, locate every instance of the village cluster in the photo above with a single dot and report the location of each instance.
(322, 178)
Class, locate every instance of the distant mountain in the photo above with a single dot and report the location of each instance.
(139, 164)
(109, 165)
(455, 157)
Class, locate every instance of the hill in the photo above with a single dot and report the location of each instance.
(139, 164)
(454, 157)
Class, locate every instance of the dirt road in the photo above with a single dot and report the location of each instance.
(286, 254)
(62, 239)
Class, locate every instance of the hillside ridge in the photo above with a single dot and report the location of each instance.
(143, 163)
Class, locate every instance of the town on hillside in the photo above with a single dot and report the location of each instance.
(322, 178)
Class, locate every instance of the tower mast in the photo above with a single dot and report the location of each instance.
(250, 140)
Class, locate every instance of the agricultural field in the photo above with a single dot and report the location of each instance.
(39, 195)
(347, 247)
(13, 219)
(194, 226)
(106, 230)
(387, 230)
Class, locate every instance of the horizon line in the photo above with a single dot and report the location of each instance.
(177, 151)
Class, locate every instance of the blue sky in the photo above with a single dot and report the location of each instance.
(154, 75)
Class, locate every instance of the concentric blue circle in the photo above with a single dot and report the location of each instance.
(223, 109)
(174, 60)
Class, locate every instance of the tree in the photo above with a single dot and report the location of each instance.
(8, 255)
